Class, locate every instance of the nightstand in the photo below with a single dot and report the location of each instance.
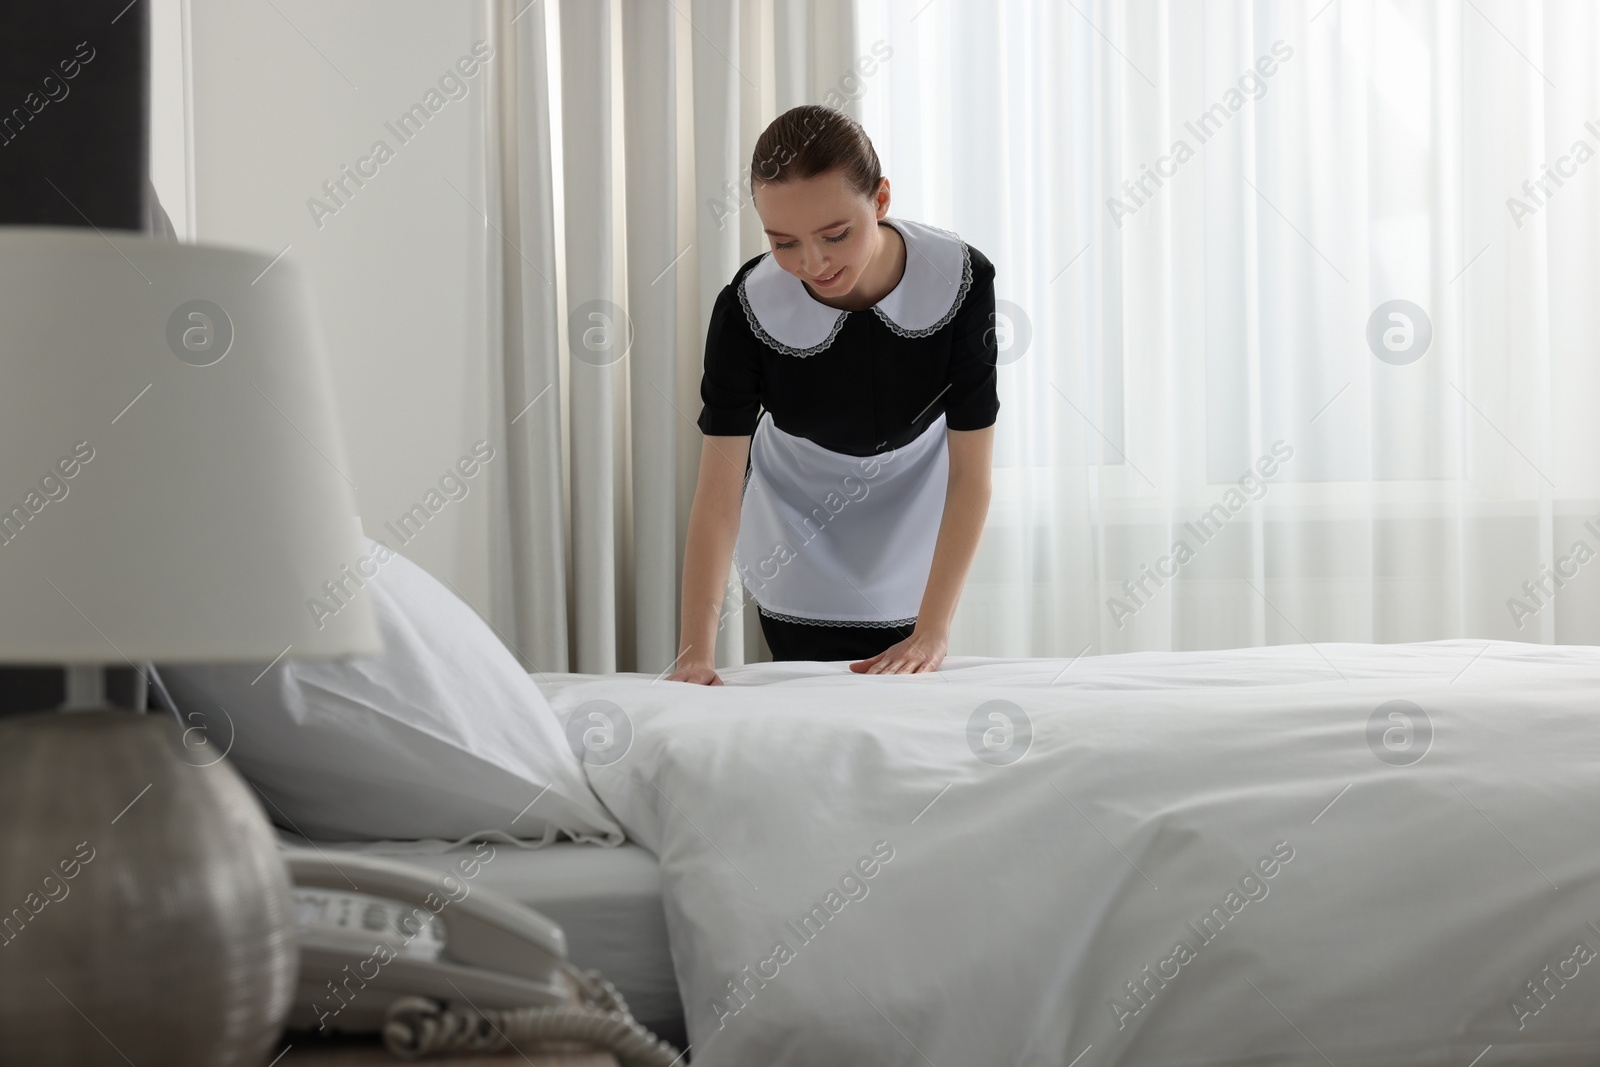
(372, 1054)
(310, 1050)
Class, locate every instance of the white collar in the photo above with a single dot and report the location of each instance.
(938, 273)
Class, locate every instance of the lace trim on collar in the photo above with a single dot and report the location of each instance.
(789, 310)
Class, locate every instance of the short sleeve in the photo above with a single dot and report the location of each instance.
(730, 384)
(973, 400)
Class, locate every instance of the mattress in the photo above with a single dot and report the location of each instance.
(1363, 855)
(606, 900)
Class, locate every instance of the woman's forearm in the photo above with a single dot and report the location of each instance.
(966, 507)
(705, 569)
(713, 530)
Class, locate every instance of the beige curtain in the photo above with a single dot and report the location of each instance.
(618, 141)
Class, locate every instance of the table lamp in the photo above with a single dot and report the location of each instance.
(173, 487)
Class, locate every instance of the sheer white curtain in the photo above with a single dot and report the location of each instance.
(1215, 430)
(618, 140)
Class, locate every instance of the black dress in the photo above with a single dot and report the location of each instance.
(847, 412)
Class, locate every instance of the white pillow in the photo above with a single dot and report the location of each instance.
(441, 735)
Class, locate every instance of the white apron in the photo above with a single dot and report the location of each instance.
(829, 538)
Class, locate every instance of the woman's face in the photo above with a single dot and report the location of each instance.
(822, 230)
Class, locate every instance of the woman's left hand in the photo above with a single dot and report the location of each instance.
(923, 651)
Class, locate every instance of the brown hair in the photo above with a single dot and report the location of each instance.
(811, 139)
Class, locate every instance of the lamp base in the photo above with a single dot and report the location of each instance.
(145, 913)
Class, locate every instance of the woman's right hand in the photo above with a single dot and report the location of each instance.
(697, 673)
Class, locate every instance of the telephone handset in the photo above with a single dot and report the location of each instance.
(436, 965)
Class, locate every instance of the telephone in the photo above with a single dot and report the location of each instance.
(436, 966)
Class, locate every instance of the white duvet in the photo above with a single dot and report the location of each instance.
(1239, 857)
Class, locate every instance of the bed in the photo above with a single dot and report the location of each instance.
(1345, 854)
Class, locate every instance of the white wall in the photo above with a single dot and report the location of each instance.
(169, 115)
(284, 94)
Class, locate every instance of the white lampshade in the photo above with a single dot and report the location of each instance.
(185, 389)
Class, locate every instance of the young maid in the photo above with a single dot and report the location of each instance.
(849, 407)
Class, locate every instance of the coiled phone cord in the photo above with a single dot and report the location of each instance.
(415, 1027)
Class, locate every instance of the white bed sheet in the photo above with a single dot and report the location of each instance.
(1412, 907)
